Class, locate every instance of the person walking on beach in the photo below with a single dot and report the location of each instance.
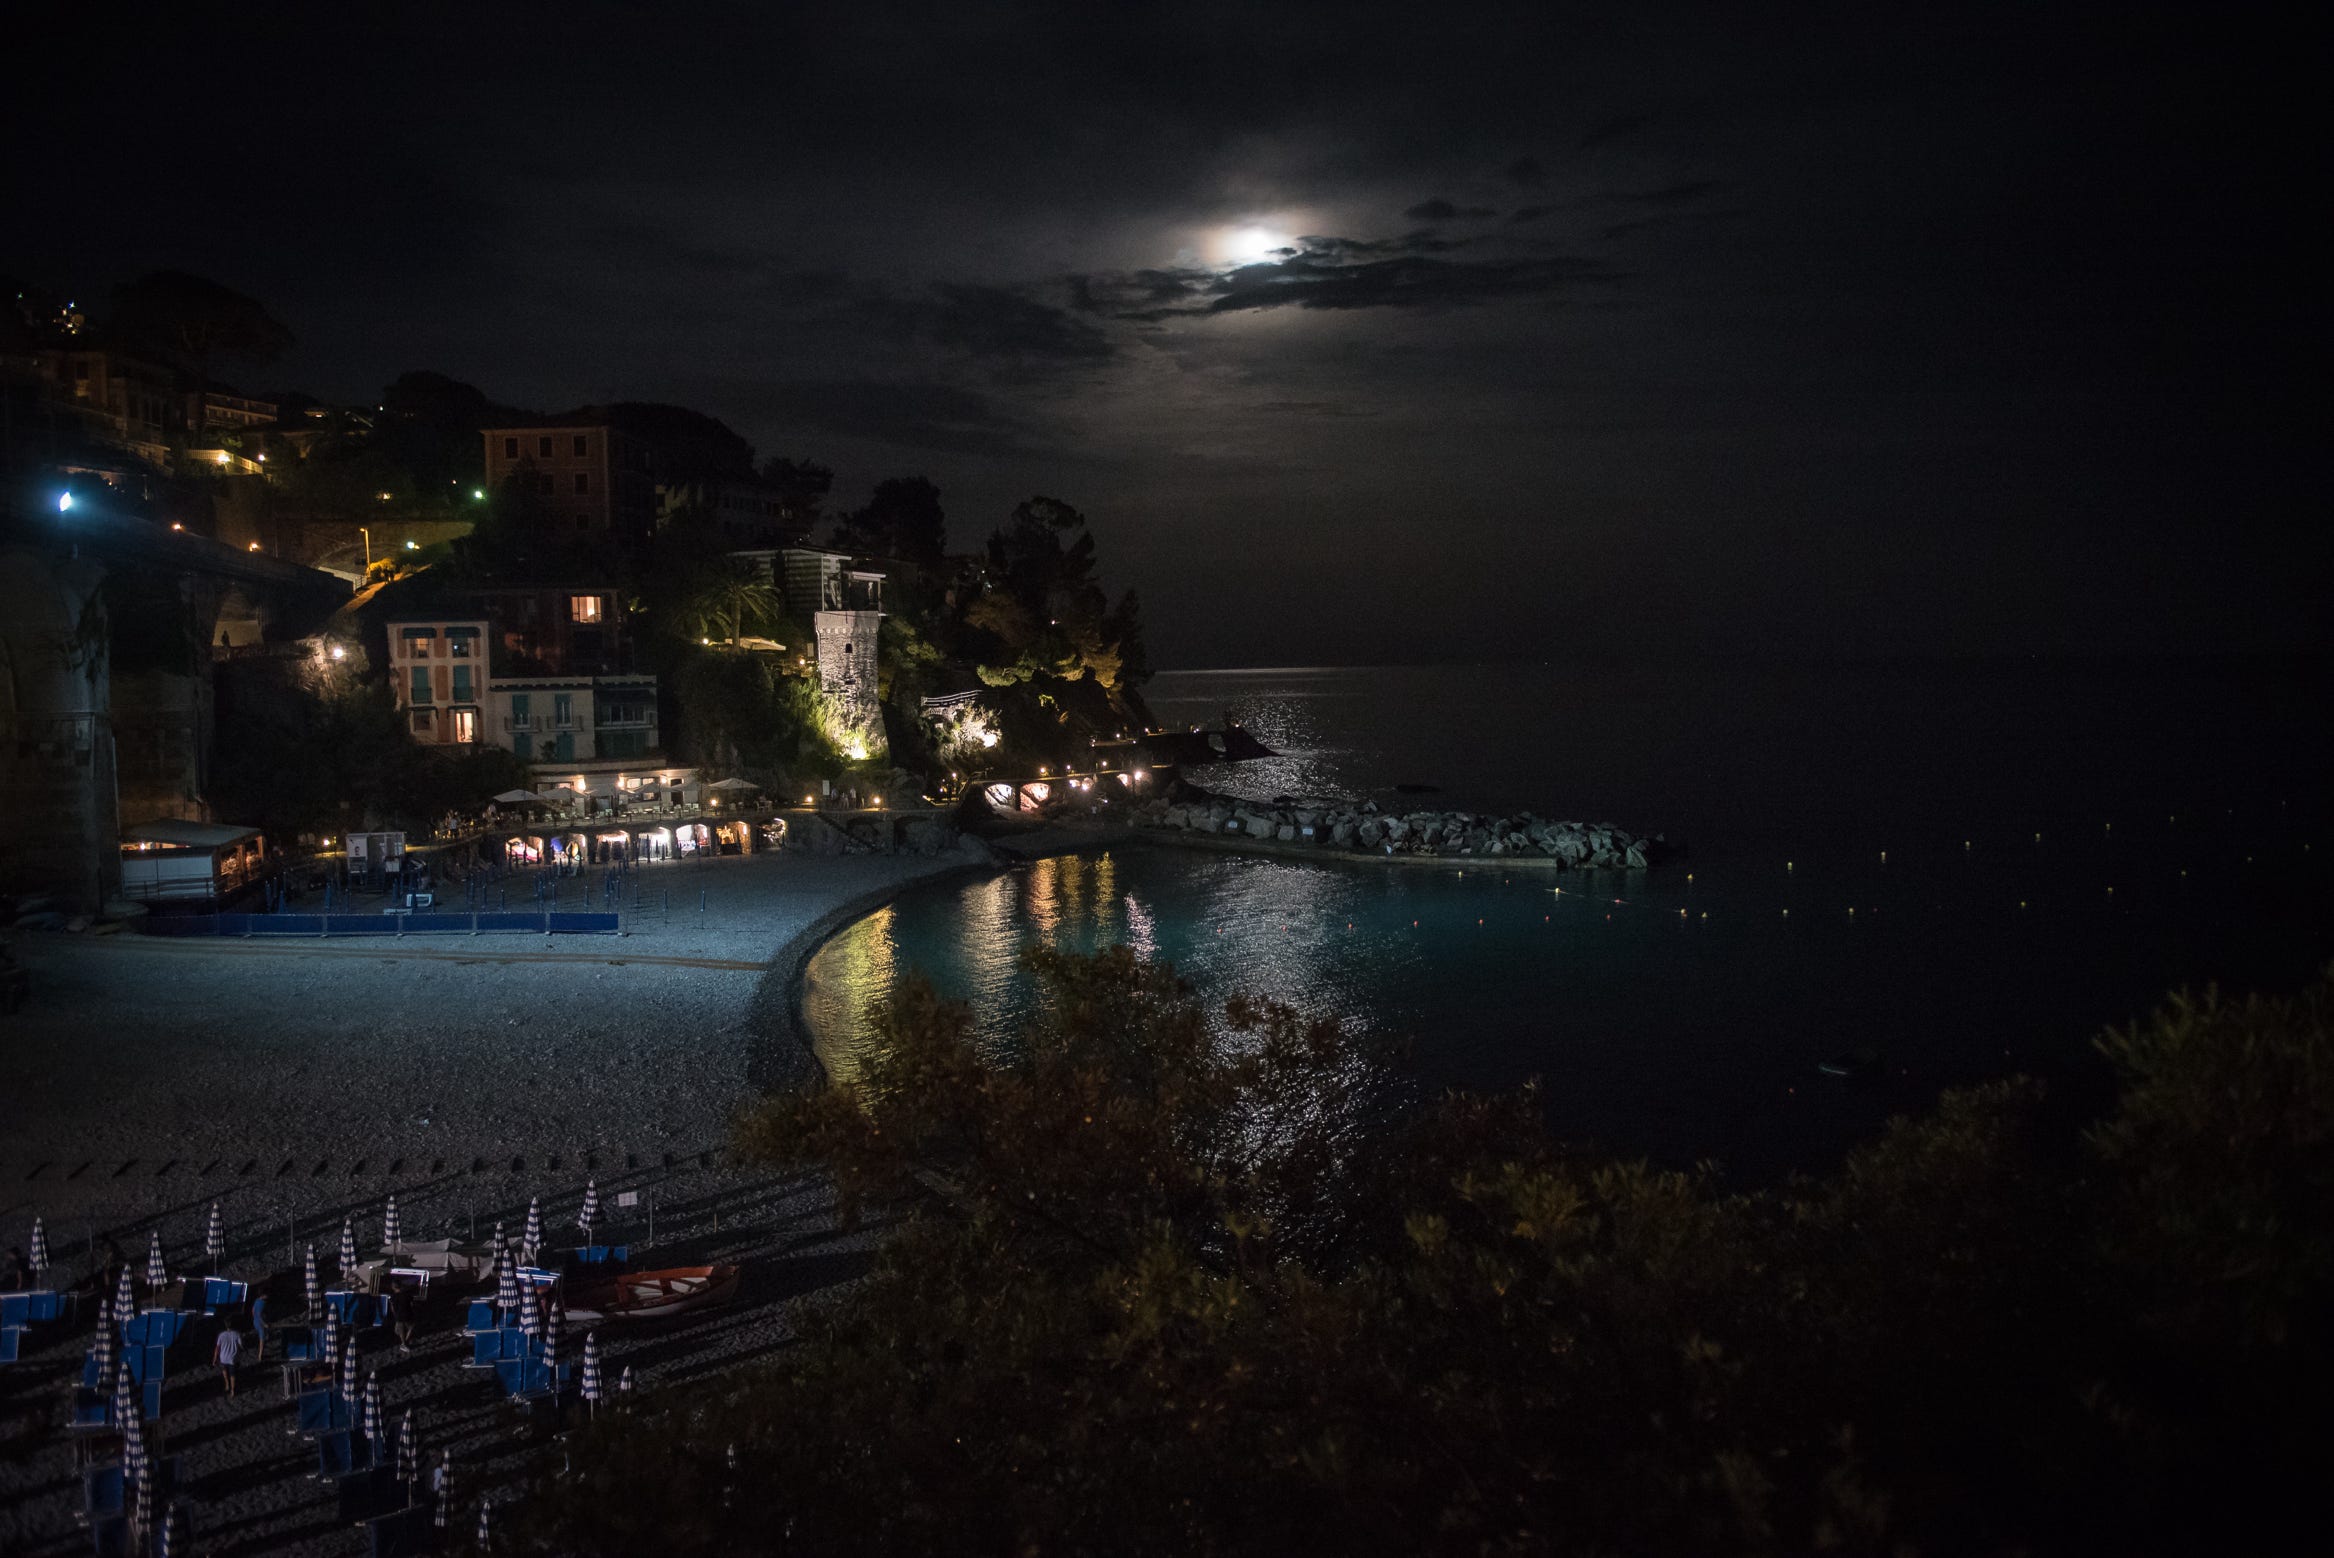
(401, 1318)
(259, 1324)
(19, 1271)
(225, 1353)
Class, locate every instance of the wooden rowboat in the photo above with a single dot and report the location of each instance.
(653, 1295)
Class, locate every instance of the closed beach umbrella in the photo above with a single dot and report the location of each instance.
(389, 1228)
(500, 1244)
(215, 1238)
(485, 1527)
(125, 1396)
(591, 1369)
(166, 1540)
(551, 1327)
(156, 1272)
(125, 1296)
(348, 1370)
(373, 1413)
(591, 1209)
(624, 1381)
(102, 1351)
(330, 1351)
(40, 1246)
(133, 1442)
(445, 1488)
(315, 1287)
(145, 1518)
(530, 1318)
(348, 1253)
(506, 1283)
(531, 1242)
(408, 1451)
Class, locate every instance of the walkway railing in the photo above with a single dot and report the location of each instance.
(541, 922)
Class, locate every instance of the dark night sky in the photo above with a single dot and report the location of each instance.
(1839, 329)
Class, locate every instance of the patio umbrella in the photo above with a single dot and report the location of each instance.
(125, 1296)
(133, 1443)
(389, 1228)
(102, 1351)
(40, 1246)
(157, 1272)
(531, 1242)
(552, 1323)
(409, 1454)
(590, 1213)
(215, 1239)
(516, 797)
(733, 784)
(445, 1488)
(348, 1253)
(315, 1287)
(373, 1414)
(591, 1370)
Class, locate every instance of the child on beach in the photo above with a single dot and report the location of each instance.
(225, 1353)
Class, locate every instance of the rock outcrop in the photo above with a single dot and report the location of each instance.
(1363, 829)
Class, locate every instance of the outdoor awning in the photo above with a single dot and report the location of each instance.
(187, 834)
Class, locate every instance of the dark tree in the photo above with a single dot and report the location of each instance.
(903, 518)
(802, 486)
(1164, 1280)
(191, 322)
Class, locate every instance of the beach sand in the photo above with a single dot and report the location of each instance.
(299, 1084)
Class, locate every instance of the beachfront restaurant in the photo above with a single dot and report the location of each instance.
(193, 864)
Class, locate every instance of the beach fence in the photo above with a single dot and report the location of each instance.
(539, 922)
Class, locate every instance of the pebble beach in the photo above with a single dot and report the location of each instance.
(297, 1085)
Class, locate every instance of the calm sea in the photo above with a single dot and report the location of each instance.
(1967, 869)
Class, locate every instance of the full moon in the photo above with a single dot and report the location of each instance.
(1249, 245)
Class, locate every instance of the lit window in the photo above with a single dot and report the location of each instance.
(465, 724)
(584, 608)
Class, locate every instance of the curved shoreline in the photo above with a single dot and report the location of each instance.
(776, 1009)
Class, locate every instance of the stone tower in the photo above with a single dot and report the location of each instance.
(847, 640)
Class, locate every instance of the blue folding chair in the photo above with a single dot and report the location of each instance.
(619, 1253)
(320, 1412)
(333, 1457)
(11, 1343)
(485, 1350)
(15, 1310)
(148, 1363)
(403, 1533)
(365, 1494)
(110, 1538)
(101, 1492)
(220, 1293)
(480, 1317)
(150, 1398)
(89, 1408)
(45, 1306)
(300, 1343)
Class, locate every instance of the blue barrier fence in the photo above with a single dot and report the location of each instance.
(545, 922)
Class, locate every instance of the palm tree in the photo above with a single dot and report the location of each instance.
(731, 605)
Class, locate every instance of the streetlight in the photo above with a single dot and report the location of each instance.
(368, 535)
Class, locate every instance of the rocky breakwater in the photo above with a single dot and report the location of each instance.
(1365, 830)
